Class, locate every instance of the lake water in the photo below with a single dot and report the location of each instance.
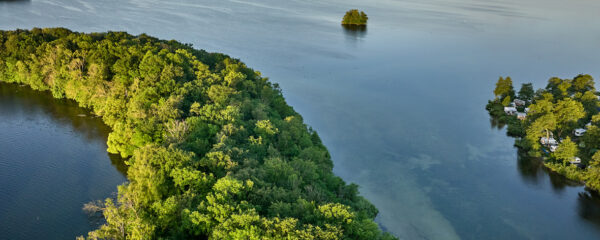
(400, 105)
(53, 160)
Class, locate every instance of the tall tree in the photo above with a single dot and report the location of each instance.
(541, 106)
(590, 102)
(566, 150)
(526, 93)
(504, 88)
(542, 126)
(568, 112)
(583, 83)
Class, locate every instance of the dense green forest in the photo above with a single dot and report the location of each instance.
(560, 124)
(213, 150)
(354, 17)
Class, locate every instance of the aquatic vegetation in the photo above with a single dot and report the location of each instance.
(213, 149)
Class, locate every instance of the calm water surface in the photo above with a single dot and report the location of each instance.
(399, 104)
(53, 160)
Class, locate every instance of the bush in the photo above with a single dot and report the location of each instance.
(354, 17)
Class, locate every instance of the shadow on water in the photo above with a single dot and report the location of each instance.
(15, 2)
(588, 206)
(355, 31)
(531, 169)
(496, 124)
(63, 111)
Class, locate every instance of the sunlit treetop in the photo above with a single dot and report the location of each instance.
(354, 17)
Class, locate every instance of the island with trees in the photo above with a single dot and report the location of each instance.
(354, 17)
(559, 124)
(212, 148)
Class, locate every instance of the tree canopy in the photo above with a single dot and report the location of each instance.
(526, 93)
(214, 151)
(504, 90)
(566, 150)
(354, 17)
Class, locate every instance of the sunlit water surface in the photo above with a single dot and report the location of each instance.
(400, 104)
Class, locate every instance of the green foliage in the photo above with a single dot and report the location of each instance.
(583, 83)
(566, 150)
(354, 17)
(265, 127)
(515, 128)
(569, 171)
(591, 139)
(541, 127)
(504, 88)
(214, 150)
(593, 176)
(567, 113)
(526, 93)
(542, 106)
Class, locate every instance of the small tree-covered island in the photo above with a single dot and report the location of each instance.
(214, 151)
(559, 124)
(354, 17)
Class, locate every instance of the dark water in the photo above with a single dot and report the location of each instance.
(52, 161)
(399, 104)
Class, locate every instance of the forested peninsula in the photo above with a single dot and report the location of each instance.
(559, 124)
(213, 150)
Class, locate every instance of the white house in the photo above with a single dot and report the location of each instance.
(548, 141)
(553, 148)
(521, 116)
(575, 160)
(510, 110)
(526, 110)
(579, 132)
(519, 102)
